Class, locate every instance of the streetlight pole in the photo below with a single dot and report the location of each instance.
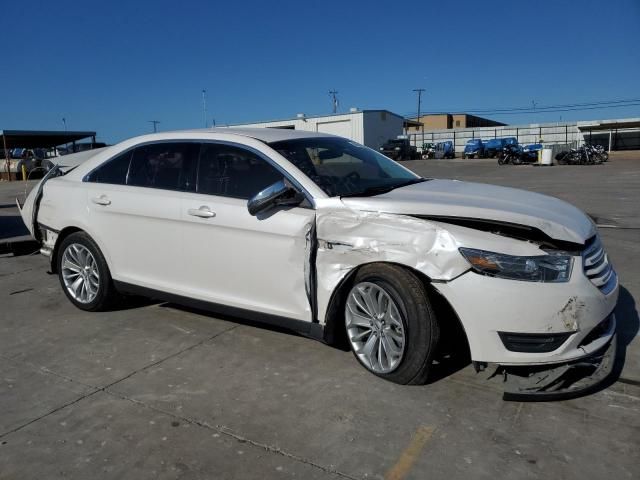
(204, 107)
(334, 100)
(64, 122)
(419, 92)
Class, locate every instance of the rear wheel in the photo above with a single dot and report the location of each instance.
(390, 325)
(84, 274)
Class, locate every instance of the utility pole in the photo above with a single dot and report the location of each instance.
(155, 125)
(334, 100)
(419, 92)
(204, 107)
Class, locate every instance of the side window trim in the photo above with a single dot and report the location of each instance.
(262, 156)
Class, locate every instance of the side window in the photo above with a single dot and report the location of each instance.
(114, 171)
(167, 165)
(229, 171)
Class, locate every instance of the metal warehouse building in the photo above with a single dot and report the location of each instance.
(369, 127)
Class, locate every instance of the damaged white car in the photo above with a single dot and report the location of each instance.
(327, 237)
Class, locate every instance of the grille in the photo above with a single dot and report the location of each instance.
(597, 267)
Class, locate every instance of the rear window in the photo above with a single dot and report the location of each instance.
(114, 171)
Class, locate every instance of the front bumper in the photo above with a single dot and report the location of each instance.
(558, 382)
(487, 306)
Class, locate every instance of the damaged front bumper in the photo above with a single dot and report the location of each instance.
(559, 381)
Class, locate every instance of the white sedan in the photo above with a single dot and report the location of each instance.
(327, 237)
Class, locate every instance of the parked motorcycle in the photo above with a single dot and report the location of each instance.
(585, 155)
(516, 155)
(601, 153)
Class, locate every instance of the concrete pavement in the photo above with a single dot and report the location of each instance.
(158, 391)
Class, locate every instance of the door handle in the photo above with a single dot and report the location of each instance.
(101, 200)
(202, 212)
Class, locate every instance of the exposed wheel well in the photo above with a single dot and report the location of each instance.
(452, 334)
(64, 233)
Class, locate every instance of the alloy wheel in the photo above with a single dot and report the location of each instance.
(374, 327)
(80, 273)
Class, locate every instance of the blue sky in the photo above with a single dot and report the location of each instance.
(111, 66)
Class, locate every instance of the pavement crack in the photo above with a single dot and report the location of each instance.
(230, 433)
(168, 357)
(51, 412)
(16, 273)
(95, 389)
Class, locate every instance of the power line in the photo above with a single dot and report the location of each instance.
(535, 108)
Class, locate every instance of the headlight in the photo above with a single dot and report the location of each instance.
(397, 148)
(544, 268)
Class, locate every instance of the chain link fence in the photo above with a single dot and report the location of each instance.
(558, 137)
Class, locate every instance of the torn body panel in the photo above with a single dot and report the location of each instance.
(348, 239)
(486, 306)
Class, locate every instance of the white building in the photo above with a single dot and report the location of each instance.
(369, 127)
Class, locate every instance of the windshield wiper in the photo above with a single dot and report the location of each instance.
(380, 189)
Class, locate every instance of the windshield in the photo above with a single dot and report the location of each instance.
(344, 168)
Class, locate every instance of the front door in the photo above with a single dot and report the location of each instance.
(233, 258)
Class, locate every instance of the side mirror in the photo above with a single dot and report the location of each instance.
(277, 194)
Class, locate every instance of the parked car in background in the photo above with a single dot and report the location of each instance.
(493, 148)
(444, 150)
(80, 147)
(399, 149)
(325, 236)
(474, 148)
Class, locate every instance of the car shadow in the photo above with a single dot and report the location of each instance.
(628, 324)
(12, 226)
(132, 302)
(230, 318)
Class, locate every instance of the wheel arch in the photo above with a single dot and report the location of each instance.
(452, 329)
(64, 233)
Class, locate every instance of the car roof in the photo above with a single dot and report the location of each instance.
(267, 135)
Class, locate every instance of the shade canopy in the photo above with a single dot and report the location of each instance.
(40, 138)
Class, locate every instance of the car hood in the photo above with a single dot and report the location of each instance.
(452, 198)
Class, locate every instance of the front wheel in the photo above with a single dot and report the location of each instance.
(390, 325)
(84, 274)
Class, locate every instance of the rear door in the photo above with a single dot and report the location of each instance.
(233, 258)
(134, 202)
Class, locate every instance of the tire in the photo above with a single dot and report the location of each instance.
(94, 288)
(412, 320)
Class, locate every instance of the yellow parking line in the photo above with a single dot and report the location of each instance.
(410, 454)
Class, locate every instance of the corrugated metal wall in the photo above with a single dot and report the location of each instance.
(369, 127)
